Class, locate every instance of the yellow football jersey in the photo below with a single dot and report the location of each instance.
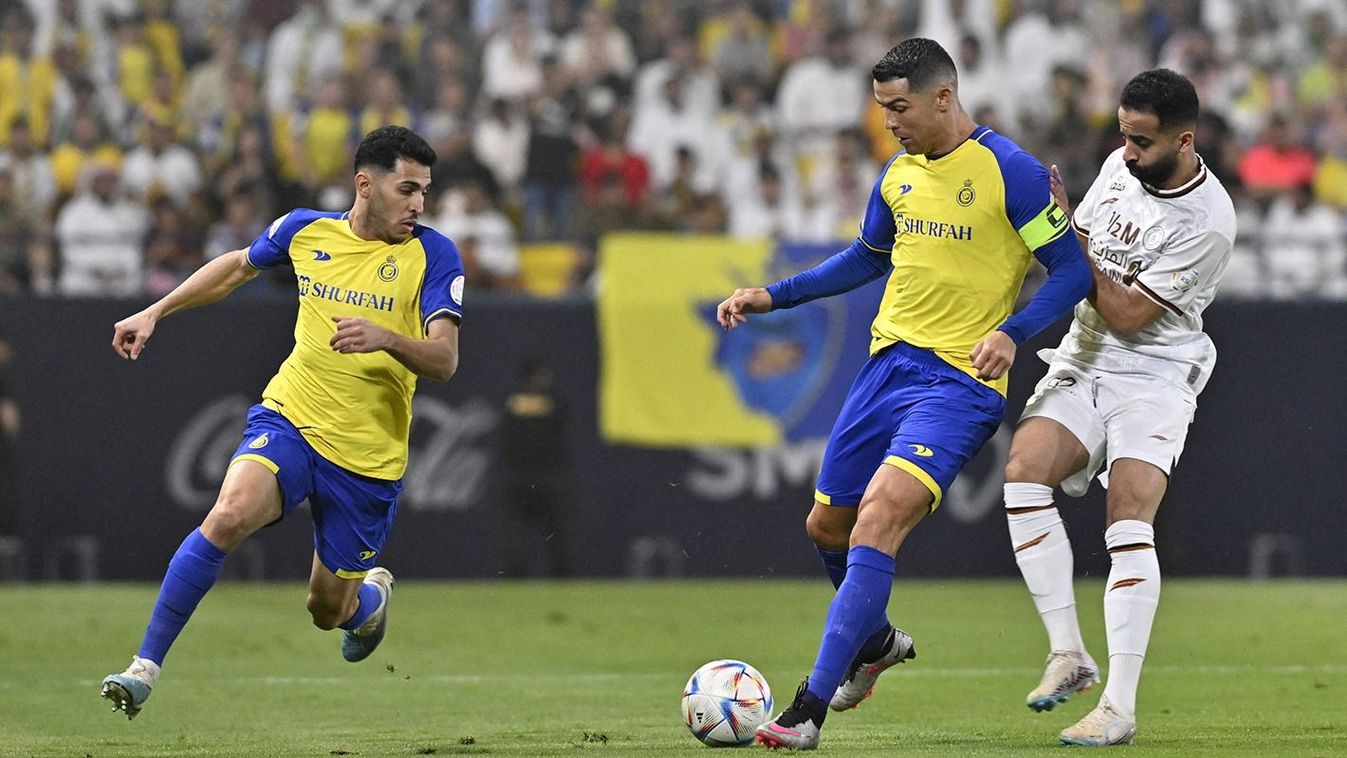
(355, 409)
(959, 230)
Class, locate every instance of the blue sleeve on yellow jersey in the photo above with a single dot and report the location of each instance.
(849, 269)
(272, 247)
(878, 228)
(442, 292)
(1046, 230)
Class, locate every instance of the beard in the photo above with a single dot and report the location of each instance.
(1156, 174)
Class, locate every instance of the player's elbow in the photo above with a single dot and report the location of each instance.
(444, 369)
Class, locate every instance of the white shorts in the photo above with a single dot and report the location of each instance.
(1114, 416)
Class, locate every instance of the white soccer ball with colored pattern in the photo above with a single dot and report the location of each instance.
(725, 702)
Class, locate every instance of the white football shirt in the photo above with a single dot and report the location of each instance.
(1170, 245)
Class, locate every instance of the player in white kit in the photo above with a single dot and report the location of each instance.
(1120, 391)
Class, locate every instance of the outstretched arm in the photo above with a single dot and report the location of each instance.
(843, 272)
(210, 283)
(435, 356)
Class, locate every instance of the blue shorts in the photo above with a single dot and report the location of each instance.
(910, 409)
(351, 513)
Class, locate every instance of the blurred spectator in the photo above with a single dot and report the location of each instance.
(208, 86)
(1042, 35)
(820, 95)
(172, 247)
(838, 189)
(15, 232)
(443, 61)
(596, 49)
(500, 141)
(384, 102)
(250, 168)
(484, 236)
(160, 167)
(27, 81)
(101, 235)
(805, 29)
(660, 127)
(609, 164)
(743, 50)
(1309, 257)
(701, 86)
(551, 170)
(238, 226)
(323, 137)
(953, 22)
(512, 57)
(769, 213)
(32, 175)
(1330, 179)
(304, 53)
(1277, 163)
(1324, 82)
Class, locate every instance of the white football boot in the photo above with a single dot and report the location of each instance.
(129, 690)
(1102, 726)
(1065, 674)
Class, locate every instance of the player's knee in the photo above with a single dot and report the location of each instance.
(828, 533)
(226, 526)
(327, 613)
(1020, 468)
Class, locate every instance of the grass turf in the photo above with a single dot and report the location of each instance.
(596, 668)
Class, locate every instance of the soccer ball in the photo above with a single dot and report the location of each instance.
(725, 702)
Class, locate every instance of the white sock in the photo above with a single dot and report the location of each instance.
(1130, 599)
(1044, 556)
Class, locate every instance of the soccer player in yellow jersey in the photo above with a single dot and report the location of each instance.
(953, 221)
(380, 300)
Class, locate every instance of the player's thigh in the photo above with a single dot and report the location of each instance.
(1044, 451)
(894, 503)
(1066, 395)
(860, 435)
(352, 517)
(269, 475)
(1135, 489)
(249, 499)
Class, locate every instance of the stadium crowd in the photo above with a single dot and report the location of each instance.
(137, 138)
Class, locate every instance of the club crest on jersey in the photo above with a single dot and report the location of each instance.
(260, 442)
(389, 270)
(1184, 280)
(1153, 238)
(966, 194)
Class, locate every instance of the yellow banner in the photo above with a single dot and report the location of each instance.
(660, 385)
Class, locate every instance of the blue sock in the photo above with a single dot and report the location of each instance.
(369, 603)
(859, 604)
(835, 563)
(191, 573)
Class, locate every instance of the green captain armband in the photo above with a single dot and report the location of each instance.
(1047, 226)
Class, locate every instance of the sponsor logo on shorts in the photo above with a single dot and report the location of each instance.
(260, 442)
(367, 554)
(922, 450)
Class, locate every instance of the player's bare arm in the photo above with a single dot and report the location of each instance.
(434, 357)
(210, 283)
(993, 355)
(735, 309)
(1125, 310)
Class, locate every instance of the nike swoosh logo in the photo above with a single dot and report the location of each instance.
(319, 255)
(922, 450)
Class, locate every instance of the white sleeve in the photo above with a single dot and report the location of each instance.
(1183, 270)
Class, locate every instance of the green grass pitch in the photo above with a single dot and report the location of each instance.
(596, 668)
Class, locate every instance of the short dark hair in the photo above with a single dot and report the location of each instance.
(1168, 94)
(920, 61)
(382, 147)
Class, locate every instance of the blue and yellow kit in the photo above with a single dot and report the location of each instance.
(333, 426)
(955, 234)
